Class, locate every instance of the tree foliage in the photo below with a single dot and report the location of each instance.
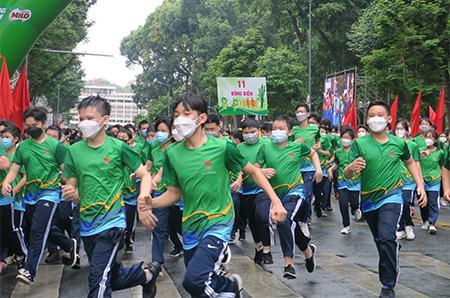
(49, 73)
(401, 45)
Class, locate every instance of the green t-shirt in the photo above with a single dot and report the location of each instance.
(129, 185)
(447, 159)
(286, 162)
(3, 174)
(310, 134)
(42, 164)
(202, 174)
(342, 160)
(408, 181)
(420, 141)
(431, 166)
(156, 155)
(99, 174)
(249, 151)
(382, 176)
(325, 145)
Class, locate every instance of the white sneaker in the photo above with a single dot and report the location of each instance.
(425, 225)
(432, 229)
(400, 235)
(304, 228)
(443, 202)
(409, 233)
(358, 214)
(346, 230)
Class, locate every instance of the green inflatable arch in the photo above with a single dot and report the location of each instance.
(21, 24)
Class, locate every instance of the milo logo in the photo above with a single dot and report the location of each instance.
(20, 15)
(2, 12)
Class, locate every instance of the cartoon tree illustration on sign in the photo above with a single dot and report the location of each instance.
(261, 93)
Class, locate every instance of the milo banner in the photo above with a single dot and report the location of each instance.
(21, 24)
(242, 96)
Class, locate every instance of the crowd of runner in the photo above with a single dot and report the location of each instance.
(188, 179)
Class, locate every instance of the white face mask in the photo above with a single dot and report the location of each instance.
(176, 136)
(279, 136)
(346, 142)
(429, 142)
(251, 138)
(89, 128)
(185, 126)
(377, 124)
(424, 128)
(301, 116)
(361, 134)
(443, 139)
(401, 133)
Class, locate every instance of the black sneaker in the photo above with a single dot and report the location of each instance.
(242, 235)
(258, 259)
(73, 259)
(319, 212)
(311, 262)
(237, 281)
(223, 270)
(129, 249)
(289, 272)
(53, 257)
(25, 277)
(387, 293)
(20, 261)
(328, 208)
(176, 252)
(267, 258)
(149, 289)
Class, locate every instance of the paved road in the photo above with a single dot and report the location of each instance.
(347, 267)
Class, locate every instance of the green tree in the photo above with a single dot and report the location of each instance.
(404, 46)
(47, 72)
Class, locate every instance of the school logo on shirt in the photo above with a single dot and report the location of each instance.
(46, 151)
(209, 167)
(292, 155)
(106, 160)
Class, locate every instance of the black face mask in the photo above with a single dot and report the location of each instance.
(34, 132)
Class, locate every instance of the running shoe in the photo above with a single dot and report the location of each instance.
(223, 270)
(346, 230)
(149, 288)
(258, 259)
(387, 293)
(409, 233)
(238, 285)
(432, 229)
(401, 235)
(311, 262)
(358, 214)
(267, 258)
(242, 235)
(425, 225)
(289, 272)
(24, 277)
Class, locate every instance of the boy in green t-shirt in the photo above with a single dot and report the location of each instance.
(446, 175)
(198, 168)
(282, 159)
(42, 157)
(94, 172)
(378, 157)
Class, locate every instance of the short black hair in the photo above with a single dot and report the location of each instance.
(191, 101)
(213, 118)
(285, 119)
(101, 104)
(14, 130)
(126, 131)
(237, 135)
(382, 103)
(130, 127)
(142, 122)
(166, 120)
(110, 132)
(56, 128)
(302, 105)
(426, 119)
(249, 123)
(325, 122)
(315, 117)
(404, 123)
(266, 126)
(349, 130)
(38, 113)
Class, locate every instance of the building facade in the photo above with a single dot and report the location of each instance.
(123, 109)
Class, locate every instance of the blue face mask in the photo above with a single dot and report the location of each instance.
(143, 133)
(162, 137)
(7, 143)
(279, 136)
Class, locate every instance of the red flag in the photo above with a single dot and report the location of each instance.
(394, 112)
(21, 97)
(415, 115)
(432, 114)
(440, 112)
(6, 101)
(351, 117)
